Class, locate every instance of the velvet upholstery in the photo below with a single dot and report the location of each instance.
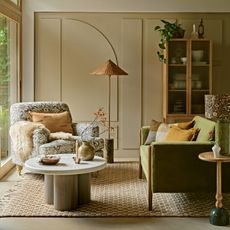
(175, 166)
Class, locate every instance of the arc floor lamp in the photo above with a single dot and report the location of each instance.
(109, 69)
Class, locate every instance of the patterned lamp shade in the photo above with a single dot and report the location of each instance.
(217, 107)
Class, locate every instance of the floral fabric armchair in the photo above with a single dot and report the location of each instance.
(40, 135)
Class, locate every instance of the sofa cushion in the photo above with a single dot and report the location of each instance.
(186, 125)
(162, 131)
(152, 131)
(55, 122)
(177, 134)
(205, 126)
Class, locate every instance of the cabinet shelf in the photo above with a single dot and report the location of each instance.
(176, 65)
(200, 90)
(185, 84)
(177, 90)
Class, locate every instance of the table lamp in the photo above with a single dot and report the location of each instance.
(217, 108)
(109, 69)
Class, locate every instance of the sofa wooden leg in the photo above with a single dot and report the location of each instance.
(150, 200)
(19, 169)
(140, 167)
(149, 180)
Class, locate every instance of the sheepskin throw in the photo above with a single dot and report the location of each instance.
(60, 135)
(21, 136)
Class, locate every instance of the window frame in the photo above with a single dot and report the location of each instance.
(13, 12)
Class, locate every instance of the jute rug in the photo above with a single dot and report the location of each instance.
(116, 191)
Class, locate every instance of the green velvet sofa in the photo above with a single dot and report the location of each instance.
(174, 166)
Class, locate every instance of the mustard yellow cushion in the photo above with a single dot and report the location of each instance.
(55, 122)
(186, 125)
(177, 134)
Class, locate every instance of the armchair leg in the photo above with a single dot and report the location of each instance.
(19, 169)
(149, 180)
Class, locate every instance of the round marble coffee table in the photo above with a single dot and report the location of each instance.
(67, 184)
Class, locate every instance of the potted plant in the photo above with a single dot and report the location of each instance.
(167, 32)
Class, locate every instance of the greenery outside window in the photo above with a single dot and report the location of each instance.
(10, 25)
(17, 2)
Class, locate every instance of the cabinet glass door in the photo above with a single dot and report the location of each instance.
(200, 74)
(177, 76)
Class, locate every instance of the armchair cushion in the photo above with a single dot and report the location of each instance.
(55, 122)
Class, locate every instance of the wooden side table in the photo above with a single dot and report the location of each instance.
(218, 216)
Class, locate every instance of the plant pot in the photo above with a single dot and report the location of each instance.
(178, 33)
(86, 151)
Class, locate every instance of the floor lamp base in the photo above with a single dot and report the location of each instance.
(109, 148)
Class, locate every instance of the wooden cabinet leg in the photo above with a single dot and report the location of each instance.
(140, 167)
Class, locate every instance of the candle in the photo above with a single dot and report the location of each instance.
(194, 28)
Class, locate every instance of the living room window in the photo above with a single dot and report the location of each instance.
(9, 76)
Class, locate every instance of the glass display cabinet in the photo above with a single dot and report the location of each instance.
(187, 77)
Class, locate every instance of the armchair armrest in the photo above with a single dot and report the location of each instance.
(92, 131)
(40, 136)
(26, 137)
(143, 134)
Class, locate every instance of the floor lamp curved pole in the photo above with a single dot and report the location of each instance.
(109, 69)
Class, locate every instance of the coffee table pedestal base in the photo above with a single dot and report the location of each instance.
(66, 192)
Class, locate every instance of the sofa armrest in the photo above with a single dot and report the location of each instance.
(143, 134)
(175, 166)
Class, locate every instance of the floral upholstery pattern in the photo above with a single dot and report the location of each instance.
(58, 146)
(40, 137)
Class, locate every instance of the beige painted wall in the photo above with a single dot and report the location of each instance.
(137, 98)
(65, 54)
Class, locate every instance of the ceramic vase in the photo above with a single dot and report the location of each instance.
(86, 151)
(216, 150)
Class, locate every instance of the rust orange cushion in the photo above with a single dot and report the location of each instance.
(177, 134)
(55, 122)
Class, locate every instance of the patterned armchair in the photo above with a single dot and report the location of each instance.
(41, 143)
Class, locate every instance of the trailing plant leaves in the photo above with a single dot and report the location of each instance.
(167, 32)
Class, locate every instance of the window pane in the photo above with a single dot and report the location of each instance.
(8, 79)
(17, 2)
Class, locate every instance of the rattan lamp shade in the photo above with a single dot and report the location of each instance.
(109, 68)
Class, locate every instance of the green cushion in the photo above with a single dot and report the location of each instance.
(206, 128)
